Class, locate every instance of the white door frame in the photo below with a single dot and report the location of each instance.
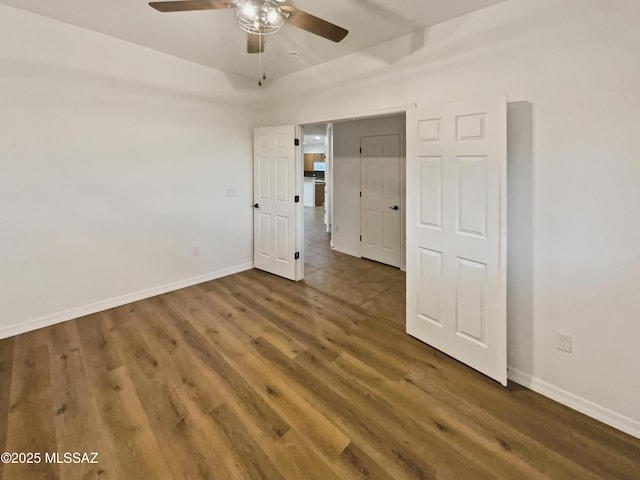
(328, 177)
(329, 174)
(299, 175)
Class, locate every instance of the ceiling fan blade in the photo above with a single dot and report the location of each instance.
(255, 43)
(188, 5)
(313, 24)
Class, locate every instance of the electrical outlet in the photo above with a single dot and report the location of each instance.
(196, 251)
(564, 342)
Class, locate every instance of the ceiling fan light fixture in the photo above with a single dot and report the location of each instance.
(259, 17)
(273, 16)
(249, 10)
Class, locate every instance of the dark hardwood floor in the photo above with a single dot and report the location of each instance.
(255, 377)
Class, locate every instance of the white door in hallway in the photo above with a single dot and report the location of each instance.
(277, 188)
(380, 206)
(456, 232)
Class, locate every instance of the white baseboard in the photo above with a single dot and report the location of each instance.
(346, 251)
(582, 405)
(36, 323)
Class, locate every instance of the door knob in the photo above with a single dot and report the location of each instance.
(255, 205)
(395, 207)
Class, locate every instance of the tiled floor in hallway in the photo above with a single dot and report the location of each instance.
(379, 289)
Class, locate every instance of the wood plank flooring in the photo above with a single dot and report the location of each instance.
(255, 377)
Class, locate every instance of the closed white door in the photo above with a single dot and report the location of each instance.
(380, 206)
(277, 164)
(456, 232)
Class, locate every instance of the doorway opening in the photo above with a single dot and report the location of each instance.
(353, 240)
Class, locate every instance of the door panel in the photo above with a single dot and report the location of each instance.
(284, 185)
(380, 185)
(430, 273)
(471, 300)
(456, 232)
(472, 196)
(389, 228)
(282, 236)
(264, 232)
(431, 192)
(277, 215)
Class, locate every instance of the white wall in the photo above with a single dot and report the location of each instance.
(571, 70)
(115, 162)
(315, 148)
(346, 175)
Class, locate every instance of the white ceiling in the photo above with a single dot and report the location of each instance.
(212, 37)
(311, 140)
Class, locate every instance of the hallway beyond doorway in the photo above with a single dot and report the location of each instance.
(376, 288)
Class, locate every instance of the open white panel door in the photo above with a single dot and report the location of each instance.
(456, 232)
(277, 186)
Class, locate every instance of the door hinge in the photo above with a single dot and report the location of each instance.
(360, 149)
(296, 142)
(296, 199)
(360, 194)
(296, 255)
(360, 237)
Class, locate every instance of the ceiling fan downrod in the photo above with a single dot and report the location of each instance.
(260, 50)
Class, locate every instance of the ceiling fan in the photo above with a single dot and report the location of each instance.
(260, 18)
